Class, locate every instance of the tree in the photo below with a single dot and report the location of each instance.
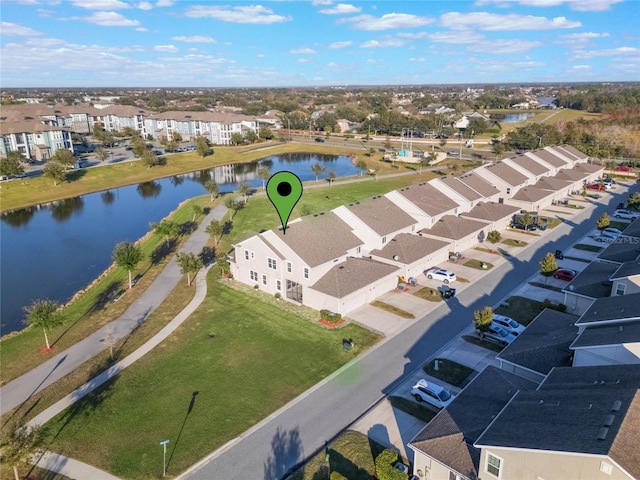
(64, 157)
(150, 159)
(44, 314)
(362, 166)
(176, 137)
(164, 141)
(12, 164)
(21, 443)
(55, 171)
(202, 146)
(525, 220)
(385, 466)
(221, 261)
(265, 133)
(243, 189)
(101, 154)
(317, 169)
(264, 173)
(634, 200)
(197, 211)
(482, 318)
(548, 265)
(331, 176)
(251, 136)
(498, 149)
(215, 230)
(232, 204)
(443, 142)
(138, 146)
(168, 228)
(99, 132)
(387, 142)
(236, 138)
(494, 236)
(603, 221)
(127, 255)
(213, 189)
(189, 263)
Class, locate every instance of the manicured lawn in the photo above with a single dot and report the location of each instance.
(414, 409)
(552, 222)
(514, 243)
(475, 339)
(587, 248)
(577, 207)
(391, 309)
(522, 310)
(487, 250)
(618, 225)
(462, 279)
(448, 371)
(477, 264)
(428, 293)
(231, 364)
(352, 455)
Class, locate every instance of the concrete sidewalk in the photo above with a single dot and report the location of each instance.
(72, 468)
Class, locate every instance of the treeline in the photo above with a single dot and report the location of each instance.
(600, 98)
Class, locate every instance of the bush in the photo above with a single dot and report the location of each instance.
(482, 318)
(494, 236)
(330, 316)
(384, 466)
(337, 476)
(560, 307)
(256, 287)
(278, 296)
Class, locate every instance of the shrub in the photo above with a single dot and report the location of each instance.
(483, 318)
(560, 307)
(277, 295)
(494, 236)
(256, 287)
(330, 316)
(384, 466)
(337, 476)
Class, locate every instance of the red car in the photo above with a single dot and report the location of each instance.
(595, 186)
(565, 274)
(623, 169)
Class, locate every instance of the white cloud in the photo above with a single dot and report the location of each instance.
(371, 60)
(419, 59)
(194, 39)
(100, 4)
(110, 19)
(260, 55)
(529, 64)
(341, 8)
(145, 6)
(386, 22)
(302, 51)
(321, 2)
(255, 14)
(141, 29)
(164, 3)
(612, 52)
(14, 30)
(165, 48)
(392, 42)
(496, 22)
(456, 38)
(578, 5)
(304, 60)
(503, 47)
(584, 35)
(581, 67)
(340, 44)
(413, 36)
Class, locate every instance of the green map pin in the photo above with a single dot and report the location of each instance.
(284, 189)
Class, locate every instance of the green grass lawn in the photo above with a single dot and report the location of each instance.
(477, 264)
(514, 243)
(448, 371)
(522, 310)
(587, 248)
(428, 293)
(244, 358)
(391, 309)
(577, 207)
(619, 225)
(421, 412)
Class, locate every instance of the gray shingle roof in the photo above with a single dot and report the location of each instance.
(428, 198)
(593, 280)
(633, 230)
(616, 334)
(506, 173)
(571, 175)
(589, 168)
(532, 194)
(479, 184)
(544, 344)
(627, 269)
(595, 377)
(454, 228)
(529, 164)
(409, 248)
(550, 157)
(352, 275)
(319, 238)
(612, 309)
(624, 249)
(551, 183)
(491, 211)
(573, 151)
(461, 188)
(450, 436)
(381, 215)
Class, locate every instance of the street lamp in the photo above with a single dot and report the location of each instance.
(164, 457)
(289, 128)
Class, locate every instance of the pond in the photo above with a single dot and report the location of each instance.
(54, 250)
(513, 117)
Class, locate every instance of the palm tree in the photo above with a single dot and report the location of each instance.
(127, 255)
(232, 204)
(332, 176)
(101, 154)
(55, 171)
(44, 314)
(213, 189)
(317, 169)
(197, 211)
(215, 230)
(189, 263)
(167, 228)
(243, 189)
(21, 443)
(264, 173)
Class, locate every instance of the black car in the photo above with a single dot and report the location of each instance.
(528, 228)
(319, 139)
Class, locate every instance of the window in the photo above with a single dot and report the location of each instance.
(493, 465)
(289, 267)
(272, 263)
(264, 279)
(413, 228)
(620, 288)
(384, 240)
(253, 275)
(246, 254)
(508, 190)
(358, 250)
(306, 272)
(278, 285)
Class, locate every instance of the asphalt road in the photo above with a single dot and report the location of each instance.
(288, 437)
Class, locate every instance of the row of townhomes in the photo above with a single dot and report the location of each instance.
(345, 258)
(564, 401)
(38, 130)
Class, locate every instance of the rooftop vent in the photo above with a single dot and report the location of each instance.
(608, 420)
(602, 433)
(615, 406)
(341, 267)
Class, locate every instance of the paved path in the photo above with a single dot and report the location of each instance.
(72, 468)
(22, 388)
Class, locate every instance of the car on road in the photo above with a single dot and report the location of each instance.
(319, 140)
(497, 334)
(432, 393)
(508, 323)
(441, 274)
(625, 214)
(453, 153)
(565, 274)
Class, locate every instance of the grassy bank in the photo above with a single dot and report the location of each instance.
(231, 364)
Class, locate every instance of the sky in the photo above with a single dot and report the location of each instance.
(269, 43)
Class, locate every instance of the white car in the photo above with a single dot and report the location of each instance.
(497, 334)
(612, 231)
(432, 393)
(508, 323)
(604, 238)
(625, 214)
(441, 274)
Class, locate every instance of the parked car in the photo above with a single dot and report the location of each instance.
(441, 274)
(497, 334)
(623, 169)
(453, 153)
(528, 228)
(319, 139)
(596, 186)
(565, 274)
(432, 393)
(625, 214)
(612, 231)
(603, 238)
(508, 323)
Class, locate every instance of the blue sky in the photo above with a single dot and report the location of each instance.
(165, 43)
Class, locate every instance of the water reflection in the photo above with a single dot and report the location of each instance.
(108, 197)
(62, 210)
(149, 189)
(18, 218)
(177, 180)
